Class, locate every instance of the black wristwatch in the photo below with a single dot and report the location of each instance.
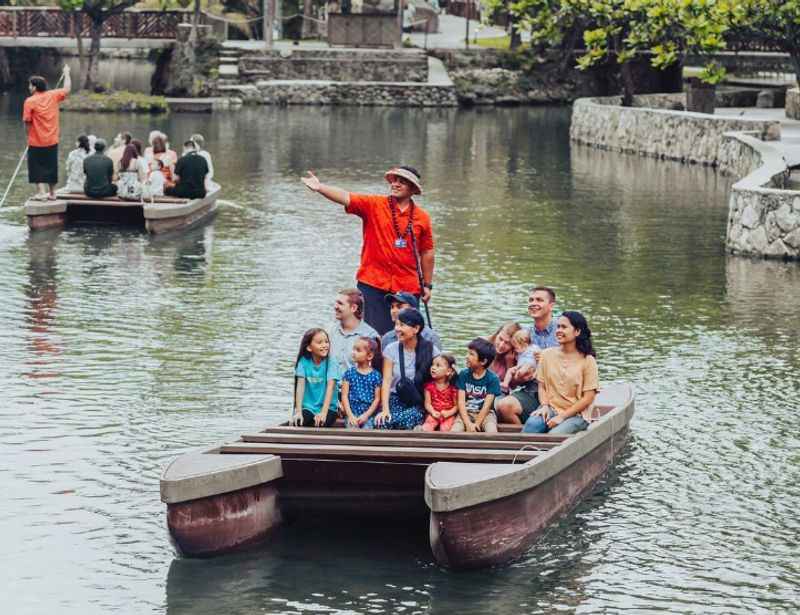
(428, 285)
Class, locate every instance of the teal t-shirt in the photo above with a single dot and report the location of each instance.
(316, 377)
(477, 390)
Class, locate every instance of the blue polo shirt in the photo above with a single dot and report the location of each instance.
(546, 338)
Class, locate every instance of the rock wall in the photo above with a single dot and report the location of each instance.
(675, 135)
(191, 67)
(335, 65)
(793, 103)
(763, 218)
(366, 94)
(535, 76)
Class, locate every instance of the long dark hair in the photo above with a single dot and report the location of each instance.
(584, 340)
(128, 154)
(83, 143)
(305, 352)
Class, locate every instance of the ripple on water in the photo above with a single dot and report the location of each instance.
(120, 351)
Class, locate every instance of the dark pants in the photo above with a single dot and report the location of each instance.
(105, 192)
(43, 164)
(184, 192)
(308, 418)
(376, 309)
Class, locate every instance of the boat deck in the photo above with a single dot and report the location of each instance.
(340, 444)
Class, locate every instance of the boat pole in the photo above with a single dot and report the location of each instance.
(14, 176)
(420, 277)
(21, 158)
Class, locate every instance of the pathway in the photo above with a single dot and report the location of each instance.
(789, 144)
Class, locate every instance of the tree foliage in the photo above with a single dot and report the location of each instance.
(665, 29)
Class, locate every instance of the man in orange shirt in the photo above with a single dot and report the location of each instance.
(394, 228)
(40, 114)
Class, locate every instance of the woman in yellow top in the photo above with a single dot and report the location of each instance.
(567, 378)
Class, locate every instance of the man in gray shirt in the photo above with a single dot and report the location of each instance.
(349, 326)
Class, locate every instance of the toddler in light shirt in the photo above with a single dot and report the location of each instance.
(526, 354)
(155, 178)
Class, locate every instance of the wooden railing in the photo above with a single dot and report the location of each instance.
(53, 22)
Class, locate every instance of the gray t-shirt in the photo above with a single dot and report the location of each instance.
(392, 351)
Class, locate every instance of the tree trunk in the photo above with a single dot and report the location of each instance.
(5, 69)
(795, 55)
(92, 68)
(516, 37)
(306, 31)
(628, 86)
(77, 18)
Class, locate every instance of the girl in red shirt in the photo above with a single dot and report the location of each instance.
(441, 395)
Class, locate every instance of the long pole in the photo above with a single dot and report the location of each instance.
(21, 158)
(420, 277)
(13, 177)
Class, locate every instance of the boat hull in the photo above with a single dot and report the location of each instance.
(224, 522)
(165, 216)
(500, 531)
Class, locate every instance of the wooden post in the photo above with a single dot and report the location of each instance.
(269, 20)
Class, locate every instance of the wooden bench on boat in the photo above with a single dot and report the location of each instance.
(162, 215)
(486, 496)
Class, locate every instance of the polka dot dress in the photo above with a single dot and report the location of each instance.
(402, 416)
(362, 389)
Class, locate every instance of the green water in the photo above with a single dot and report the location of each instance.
(118, 351)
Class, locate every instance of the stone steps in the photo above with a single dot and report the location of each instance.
(406, 78)
(342, 65)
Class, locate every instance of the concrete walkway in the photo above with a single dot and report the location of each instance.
(452, 31)
(451, 35)
(790, 129)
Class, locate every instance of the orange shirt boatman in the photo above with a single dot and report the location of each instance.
(393, 226)
(40, 114)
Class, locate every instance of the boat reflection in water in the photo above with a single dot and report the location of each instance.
(321, 568)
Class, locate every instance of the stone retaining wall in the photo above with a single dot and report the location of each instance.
(360, 94)
(337, 67)
(763, 219)
(675, 135)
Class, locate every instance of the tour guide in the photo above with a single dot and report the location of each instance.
(393, 227)
(40, 114)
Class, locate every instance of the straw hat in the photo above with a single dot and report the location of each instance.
(407, 173)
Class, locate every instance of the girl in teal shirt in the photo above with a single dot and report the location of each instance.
(316, 381)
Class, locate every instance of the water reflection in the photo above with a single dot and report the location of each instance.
(150, 347)
(42, 295)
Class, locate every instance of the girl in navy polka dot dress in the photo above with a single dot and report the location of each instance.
(361, 384)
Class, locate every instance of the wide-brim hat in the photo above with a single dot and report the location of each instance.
(406, 174)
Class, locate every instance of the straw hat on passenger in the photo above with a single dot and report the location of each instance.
(408, 173)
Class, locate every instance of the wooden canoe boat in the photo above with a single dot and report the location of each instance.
(163, 215)
(486, 497)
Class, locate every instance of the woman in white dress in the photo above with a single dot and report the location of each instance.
(132, 172)
(75, 175)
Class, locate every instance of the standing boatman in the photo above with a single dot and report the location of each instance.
(40, 114)
(397, 248)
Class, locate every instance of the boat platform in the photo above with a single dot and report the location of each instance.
(485, 497)
(162, 215)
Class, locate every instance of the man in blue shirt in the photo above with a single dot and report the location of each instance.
(517, 407)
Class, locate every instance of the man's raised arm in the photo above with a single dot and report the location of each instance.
(332, 193)
(67, 79)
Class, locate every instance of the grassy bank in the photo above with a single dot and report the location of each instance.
(119, 101)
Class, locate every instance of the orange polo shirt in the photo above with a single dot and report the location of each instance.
(40, 111)
(383, 264)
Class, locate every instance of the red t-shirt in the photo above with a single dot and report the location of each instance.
(383, 264)
(40, 111)
(442, 400)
